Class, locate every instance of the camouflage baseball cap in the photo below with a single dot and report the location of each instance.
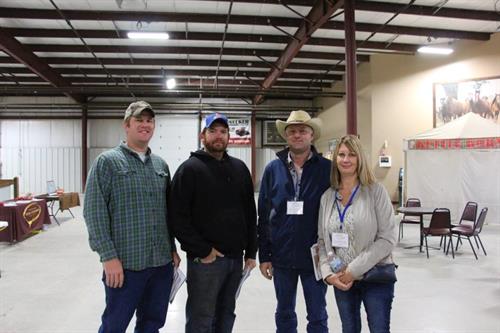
(135, 109)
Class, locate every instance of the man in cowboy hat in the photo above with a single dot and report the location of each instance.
(289, 198)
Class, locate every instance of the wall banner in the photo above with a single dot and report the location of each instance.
(240, 131)
(448, 144)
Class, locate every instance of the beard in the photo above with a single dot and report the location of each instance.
(216, 146)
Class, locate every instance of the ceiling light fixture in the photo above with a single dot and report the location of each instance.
(435, 50)
(147, 35)
(171, 83)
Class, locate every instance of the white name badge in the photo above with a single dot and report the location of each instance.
(295, 207)
(340, 239)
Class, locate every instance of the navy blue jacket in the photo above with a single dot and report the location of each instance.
(285, 240)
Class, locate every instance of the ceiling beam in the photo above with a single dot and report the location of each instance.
(412, 31)
(79, 82)
(272, 2)
(318, 15)
(170, 72)
(85, 15)
(390, 7)
(161, 91)
(18, 51)
(173, 62)
(183, 50)
(434, 11)
(204, 36)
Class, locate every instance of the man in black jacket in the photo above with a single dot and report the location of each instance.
(213, 215)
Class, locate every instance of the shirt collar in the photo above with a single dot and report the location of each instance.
(123, 145)
(290, 160)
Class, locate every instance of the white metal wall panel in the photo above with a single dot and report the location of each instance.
(10, 133)
(92, 155)
(36, 133)
(105, 133)
(175, 138)
(39, 164)
(10, 161)
(33, 150)
(243, 153)
(262, 157)
(65, 133)
(40, 150)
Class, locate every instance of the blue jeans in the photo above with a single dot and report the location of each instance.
(285, 285)
(145, 292)
(377, 300)
(211, 295)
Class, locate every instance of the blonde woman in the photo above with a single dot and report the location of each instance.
(356, 233)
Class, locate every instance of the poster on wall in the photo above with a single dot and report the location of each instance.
(240, 131)
(270, 135)
(454, 99)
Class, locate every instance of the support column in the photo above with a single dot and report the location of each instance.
(253, 136)
(84, 146)
(350, 53)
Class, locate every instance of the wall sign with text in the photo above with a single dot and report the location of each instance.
(240, 131)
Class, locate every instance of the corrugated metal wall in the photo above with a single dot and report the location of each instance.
(175, 138)
(102, 135)
(262, 157)
(40, 150)
(244, 153)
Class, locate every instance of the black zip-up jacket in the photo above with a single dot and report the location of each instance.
(211, 204)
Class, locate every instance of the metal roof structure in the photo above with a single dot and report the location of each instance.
(248, 49)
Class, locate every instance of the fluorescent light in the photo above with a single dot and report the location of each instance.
(435, 50)
(171, 83)
(147, 35)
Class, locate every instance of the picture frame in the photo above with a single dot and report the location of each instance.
(454, 99)
(332, 144)
(270, 135)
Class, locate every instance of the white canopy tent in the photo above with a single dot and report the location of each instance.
(455, 163)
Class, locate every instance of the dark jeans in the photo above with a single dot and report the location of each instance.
(211, 295)
(377, 300)
(285, 285)
(146, 292)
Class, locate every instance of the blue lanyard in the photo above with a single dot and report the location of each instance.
(342, 214)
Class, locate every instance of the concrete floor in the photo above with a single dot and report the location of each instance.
(51, 283)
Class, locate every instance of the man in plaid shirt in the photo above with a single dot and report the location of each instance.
(126, 215)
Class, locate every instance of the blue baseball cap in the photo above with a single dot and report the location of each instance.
(211, 118)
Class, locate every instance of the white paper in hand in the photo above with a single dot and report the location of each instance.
(244, 275)
(315, 260)
(179, 278)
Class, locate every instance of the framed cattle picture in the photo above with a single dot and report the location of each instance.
(454, 99)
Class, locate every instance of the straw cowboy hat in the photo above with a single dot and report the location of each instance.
(300, 117)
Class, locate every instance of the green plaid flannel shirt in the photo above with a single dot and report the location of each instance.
(125, 208)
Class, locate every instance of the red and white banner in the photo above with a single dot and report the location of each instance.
(447, 144)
